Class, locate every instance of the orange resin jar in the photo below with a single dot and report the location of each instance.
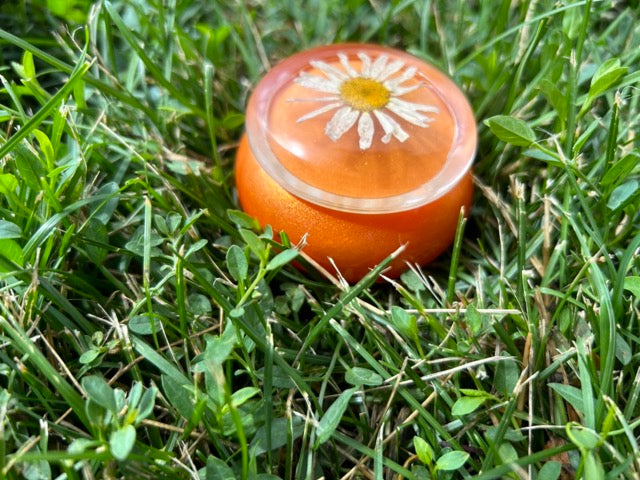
(362, 149)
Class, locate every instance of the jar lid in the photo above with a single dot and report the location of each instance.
(361, 128)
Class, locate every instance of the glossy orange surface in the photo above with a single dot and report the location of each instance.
(389, 169)
(356, 242)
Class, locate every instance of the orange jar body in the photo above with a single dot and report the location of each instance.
(361, 149)
(356, 242)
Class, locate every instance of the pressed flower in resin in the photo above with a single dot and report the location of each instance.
(360, 149)
(359, 96)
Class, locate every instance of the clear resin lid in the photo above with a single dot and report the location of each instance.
(361, 128)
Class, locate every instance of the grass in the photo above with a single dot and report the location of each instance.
(150, 330)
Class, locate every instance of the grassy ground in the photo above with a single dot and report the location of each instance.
(142, 337)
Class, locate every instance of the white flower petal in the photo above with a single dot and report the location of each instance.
(417, 107)
(378, 66)
(316, 82)
(390, 127)
(390, 74)
(400, 91)
(365, 130)
(389, 70)
(366, 65)
(319, 111)
(331, 98)
(410, 115)
(330, 71)
(344, 61)
(408, 74)
(341, 122)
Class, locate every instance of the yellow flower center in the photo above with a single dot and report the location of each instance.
(364, 94)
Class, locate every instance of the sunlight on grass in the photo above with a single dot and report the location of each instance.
(150, 329)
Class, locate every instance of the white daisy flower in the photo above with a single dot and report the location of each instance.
(361, 96)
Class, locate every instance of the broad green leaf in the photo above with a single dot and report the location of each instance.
(255, 244)
(474, 319)
(583, 438)
(121, 442)
(606, 76)
(80, 445)
(571, 394)
(97, 235)
(423, 450)
(471, 392)
(179, 396)
(556, 98)
(543, 156)
(159, 361)
(199, 304)
(8, 183)
(37, 469)
(622, 194)
(507, 453)
(466, 405)
(243, 220)
(28, 66)
(550, 470)
(133, 397)
(9, 230)
(509, 435)
(99, 392)
(89, 356)
(237, 263)
(511, 130)
(404, 322)
(197, 245)
(413, 281)
(70, 10)
(571, 22)
(240, 397)
(147, 403)
(620, 170)
(137, 241)
(161, 224)
(218, 470)
(279, 432)
(363, 376)
(220, 347)
(232, 120)
(174, 220)
(143, 325)
(506, 376)
(11, 250)
(29, 167)
(45, 146)
(282, 258)
(632, 284)
(331, 418)
(279, 377)
(452, 460)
